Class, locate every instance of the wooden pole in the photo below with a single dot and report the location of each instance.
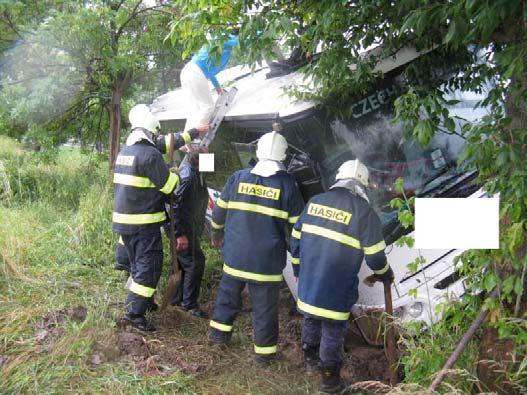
(390, 334)
(174, 277)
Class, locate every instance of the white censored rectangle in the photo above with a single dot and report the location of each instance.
(206, 163)
(456, 223)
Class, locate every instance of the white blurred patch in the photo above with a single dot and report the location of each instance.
(206, 163)
(456, 223)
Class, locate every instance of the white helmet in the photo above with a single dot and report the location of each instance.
(141, 117)
(353, 169)
(272, 146)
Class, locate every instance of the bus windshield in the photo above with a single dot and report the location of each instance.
(320, 143)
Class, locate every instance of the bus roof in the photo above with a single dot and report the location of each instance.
(257, 97)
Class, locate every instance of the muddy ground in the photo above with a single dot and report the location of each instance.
(180, 344)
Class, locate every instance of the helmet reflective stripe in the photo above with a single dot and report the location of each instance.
(353, 169)
(141, 117)
(272, 146)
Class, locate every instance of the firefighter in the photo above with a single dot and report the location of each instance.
(142, 183)
(336, 230)
(190, 206)
(254, 212)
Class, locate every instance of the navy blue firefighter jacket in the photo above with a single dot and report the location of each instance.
(256, 213)
(142, 183)
(334, 233)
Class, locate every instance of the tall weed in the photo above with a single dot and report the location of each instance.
(60, 181)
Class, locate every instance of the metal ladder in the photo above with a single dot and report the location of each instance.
(220, 109)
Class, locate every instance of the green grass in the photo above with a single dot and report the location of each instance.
(56, 252)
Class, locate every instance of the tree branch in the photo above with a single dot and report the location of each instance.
(11, 25)
(130, 18)
(135, 13)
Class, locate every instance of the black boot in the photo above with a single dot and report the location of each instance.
(311, 358)
(219, 338)
(264, 360)
(139, 322)
(331, 382)
(197, 312)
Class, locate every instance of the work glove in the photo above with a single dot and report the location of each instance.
(386, 277)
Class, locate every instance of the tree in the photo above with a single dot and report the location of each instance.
(71, 74)
(481, 41)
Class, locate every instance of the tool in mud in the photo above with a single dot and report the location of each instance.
(391, 354)
(220, 109)
(174, 277)
(390, 335)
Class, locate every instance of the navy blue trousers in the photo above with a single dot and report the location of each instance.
(329, 334)
(121, 256)
(192, 265)
(145, 250)
(265, 302)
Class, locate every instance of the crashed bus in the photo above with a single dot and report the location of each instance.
(320, 142)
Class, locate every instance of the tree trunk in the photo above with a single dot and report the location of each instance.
(115, 127)
(497, 356)
(120, 87)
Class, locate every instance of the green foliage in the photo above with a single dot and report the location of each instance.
(483, 45)
(54, 178)
(70, 58)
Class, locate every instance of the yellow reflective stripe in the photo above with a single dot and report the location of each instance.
(134, 181)
(319, 311)
(296, 234)
(220, 326)
(383, 270)
(292, 220)
(252, 276)
(171, 183)
(216, 226)
(295, 261)
(265, 350)
(257, 208)
(186, 137)
(221, 203)
(381, 245)
(138, 219)
(121, 240)
(331, 234)
(141, 290)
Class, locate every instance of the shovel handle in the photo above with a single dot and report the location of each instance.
(175, 275)
(390, 333)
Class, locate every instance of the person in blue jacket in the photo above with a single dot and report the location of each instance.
(334, 233)
(195, 77)
(253, 216)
